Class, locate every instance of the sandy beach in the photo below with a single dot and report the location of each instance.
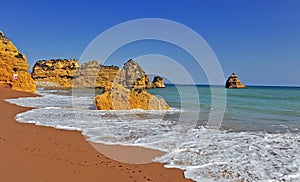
(36, 153)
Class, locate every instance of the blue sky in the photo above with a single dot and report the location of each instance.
(260, 40)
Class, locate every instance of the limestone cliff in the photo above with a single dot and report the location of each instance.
(55, 73)
(106, 76)
(86, 75)
(234, 82)
(64, 73)
(121, 98)
(14, 67)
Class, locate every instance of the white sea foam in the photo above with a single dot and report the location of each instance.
(209, 155)
(204, 154)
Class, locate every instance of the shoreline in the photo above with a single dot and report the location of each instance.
(39, 153)
(127, 154)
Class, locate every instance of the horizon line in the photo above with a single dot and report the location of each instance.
(251, 85)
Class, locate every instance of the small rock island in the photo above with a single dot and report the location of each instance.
(234, 82)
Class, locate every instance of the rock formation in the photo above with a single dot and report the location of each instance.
(106, 76)
(59, 72)
(14, 67)
(123, 89)
(126, 89)
(158, 82)
(234, 82)
(86, 75)
(63, 73)
(132, 76)
(121, 98)
(143, 82)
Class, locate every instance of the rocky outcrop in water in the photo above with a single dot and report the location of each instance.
(14, 67)
(121, 98)
(126, 89)
(59, 72)
(234, 82)
(158, 82)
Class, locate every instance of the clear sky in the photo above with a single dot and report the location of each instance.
(258, 39)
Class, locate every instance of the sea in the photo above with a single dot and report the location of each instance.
(258, 139)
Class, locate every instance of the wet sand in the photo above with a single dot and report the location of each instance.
(36, 153)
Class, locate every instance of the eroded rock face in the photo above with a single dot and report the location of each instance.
(132, 76)
(126, 89)
(234, 82)
(14, 67)
(63, 73)
(106, 76)
(143, 82)
(60, 72)
(121, 98)
(158, 82)
(86, 75)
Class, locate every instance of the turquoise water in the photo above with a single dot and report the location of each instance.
(274, 109)
(259, 139)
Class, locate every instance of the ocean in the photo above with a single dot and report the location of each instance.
(259, 137)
